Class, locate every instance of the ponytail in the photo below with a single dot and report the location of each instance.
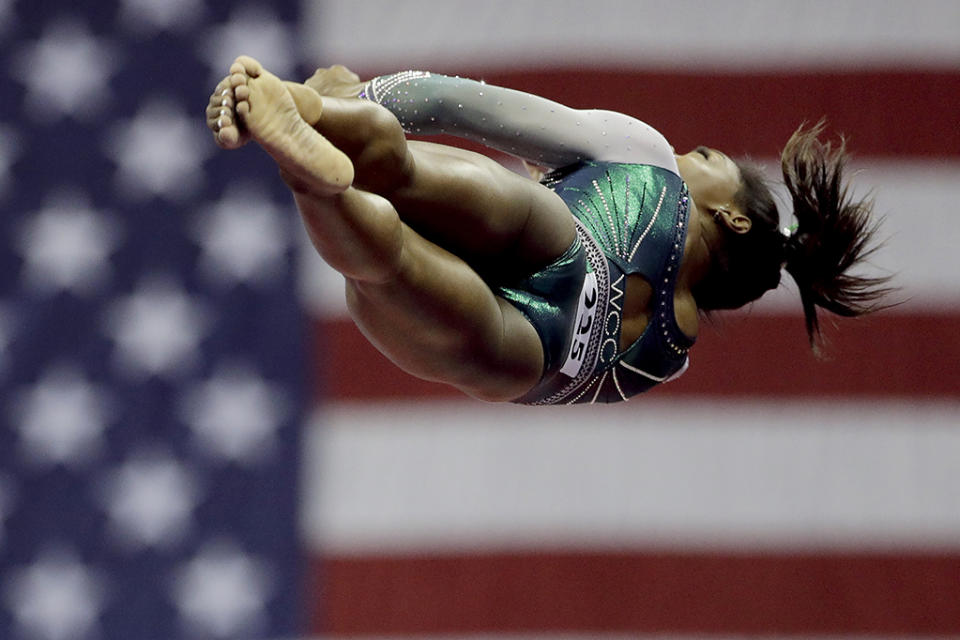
(834, 233)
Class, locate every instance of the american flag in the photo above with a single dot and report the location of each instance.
(764, 493)
(198, 444)
(152, 360)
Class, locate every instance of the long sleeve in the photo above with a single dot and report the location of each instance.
(536, 129)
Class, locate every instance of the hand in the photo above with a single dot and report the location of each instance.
(336, 81)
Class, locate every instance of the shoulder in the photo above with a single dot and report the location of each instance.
(629, 140)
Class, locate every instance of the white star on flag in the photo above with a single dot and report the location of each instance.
(150, 500)
(235, 414)
(149, 16)
(66, 72)
(157, 329)
(159, 152)
(254, 31)
(61, 418)
(222, 591)
(55, 598)
(243, 237)
(65, 246)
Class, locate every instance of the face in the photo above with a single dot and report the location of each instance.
(713, 178)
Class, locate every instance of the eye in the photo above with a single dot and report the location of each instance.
(703, 151)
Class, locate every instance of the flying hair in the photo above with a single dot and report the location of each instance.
(834, 234)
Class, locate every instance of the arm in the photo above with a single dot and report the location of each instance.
(533, 128)
(538, 130)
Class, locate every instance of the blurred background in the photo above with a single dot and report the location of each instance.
(196, 443)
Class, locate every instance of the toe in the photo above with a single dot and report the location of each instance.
(228, 137)
(212, 117)
(237, 80)
(251, 66)
(216, 98)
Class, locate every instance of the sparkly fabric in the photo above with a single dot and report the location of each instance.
(631, 220)
(630, 209)
(549, 300)
(541, 131)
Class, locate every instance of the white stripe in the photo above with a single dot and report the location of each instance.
(737, 34)
(739, 475)
(917, 198)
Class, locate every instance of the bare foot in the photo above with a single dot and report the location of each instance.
(266, 111)
(222, 120)
(230, 133)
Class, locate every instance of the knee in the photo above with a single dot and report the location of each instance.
(384, 163)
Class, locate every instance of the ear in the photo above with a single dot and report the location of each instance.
(733, 219)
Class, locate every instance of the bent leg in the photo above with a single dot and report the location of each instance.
(462, 200)
(495, 217)
(422, 306)
(504, 224)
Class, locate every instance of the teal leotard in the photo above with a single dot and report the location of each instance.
(631, 219)
(619, 179)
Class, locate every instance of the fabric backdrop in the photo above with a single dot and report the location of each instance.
(764, 493)
(195, 442)
(152, 359)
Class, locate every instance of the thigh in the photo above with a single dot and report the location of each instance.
(438, 320)
(483, 211)
(462, 200)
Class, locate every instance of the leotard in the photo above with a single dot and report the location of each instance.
(619, 178)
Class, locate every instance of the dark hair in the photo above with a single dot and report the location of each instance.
(834, 233)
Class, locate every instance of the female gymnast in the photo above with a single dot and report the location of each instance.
(585, 286)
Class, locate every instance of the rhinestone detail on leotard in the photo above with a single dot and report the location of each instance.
(623, 216)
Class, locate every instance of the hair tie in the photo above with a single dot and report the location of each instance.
(789, 234)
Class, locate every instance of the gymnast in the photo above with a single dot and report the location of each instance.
(587, 285)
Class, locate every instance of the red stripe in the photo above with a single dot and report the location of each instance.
(883, 113)
(639, 592)
(888, 355)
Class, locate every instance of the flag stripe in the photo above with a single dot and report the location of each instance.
(404, 477)
(740, 517)
(915, 199)
(755, 113)
(655, 592)
(737, 34)
(910, 355)
(765, 492)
